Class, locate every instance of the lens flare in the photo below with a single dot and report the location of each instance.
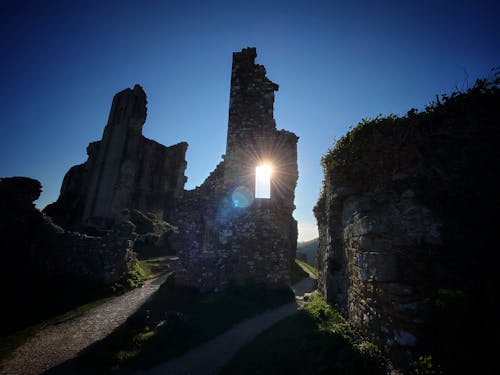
(241, 197)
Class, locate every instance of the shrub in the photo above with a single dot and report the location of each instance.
(425, 365)
(370, 350)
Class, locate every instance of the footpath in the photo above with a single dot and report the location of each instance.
(59, 343)
(52, 349)
(210, 357)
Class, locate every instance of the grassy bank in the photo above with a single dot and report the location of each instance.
(298, 274)
(316, 340)
(307, 266)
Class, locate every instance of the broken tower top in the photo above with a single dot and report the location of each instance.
(251, 103)
(130, 107)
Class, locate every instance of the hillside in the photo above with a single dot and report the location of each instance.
(309, 251)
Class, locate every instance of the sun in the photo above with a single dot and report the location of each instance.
(263, 181)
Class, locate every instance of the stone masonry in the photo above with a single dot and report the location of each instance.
(406, 219)
(225, 234)
(123, 170)
(47, 251)
(375, 252)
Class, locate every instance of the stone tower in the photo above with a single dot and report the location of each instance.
(123, 170)
(252, 138)
(121, 137)
(226, 234)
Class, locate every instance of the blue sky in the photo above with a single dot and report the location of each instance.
(336, 62)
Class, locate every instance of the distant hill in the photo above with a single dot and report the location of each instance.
(308, 251)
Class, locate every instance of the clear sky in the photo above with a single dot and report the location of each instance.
(336, 62)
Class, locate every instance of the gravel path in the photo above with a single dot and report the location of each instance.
(209, 358)
(56, 344)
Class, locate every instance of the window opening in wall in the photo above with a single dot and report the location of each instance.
(263, 181)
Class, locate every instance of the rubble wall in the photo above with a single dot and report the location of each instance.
(47, 251)
(405, 217)
(224, 233)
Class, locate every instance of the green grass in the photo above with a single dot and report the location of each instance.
(149, 223)
(298, 274)
(174, 320)
(309, 249)
(142, 271)
(316, 340)
(146, 251)
(310, 268)
(154, 267)
(137, 275)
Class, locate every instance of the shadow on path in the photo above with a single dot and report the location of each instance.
(209, 358)
(56, 345)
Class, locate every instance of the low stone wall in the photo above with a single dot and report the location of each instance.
(36, 247)
(102, 260)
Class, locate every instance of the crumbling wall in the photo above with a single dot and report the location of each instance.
(404, 221)
(225, 234)
(377, 253)
(123, 170)
(34, 247)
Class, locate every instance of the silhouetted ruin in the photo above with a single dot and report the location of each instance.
(224, 233)
(405, 220)
(123, 170)
(48, 251)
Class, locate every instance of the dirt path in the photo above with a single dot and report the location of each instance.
(209, 358)
(56, 344)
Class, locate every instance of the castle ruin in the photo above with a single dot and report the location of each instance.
(123, 170)
(226, 233)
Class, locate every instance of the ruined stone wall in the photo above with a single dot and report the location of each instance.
(225, 234)
(403, 223)
(34, 247)
(123, 170)
(377, 251)
(218, 243)
(105, 260)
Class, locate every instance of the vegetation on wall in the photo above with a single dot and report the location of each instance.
(364, 155)
(147, 223)
(448, 156)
